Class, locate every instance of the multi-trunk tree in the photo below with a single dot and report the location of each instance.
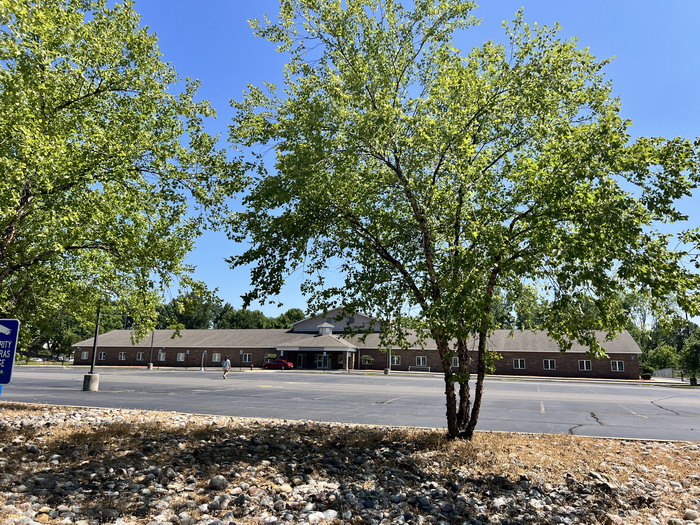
(106, 173)
(429, 180)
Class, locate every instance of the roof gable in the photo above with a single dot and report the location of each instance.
(338, 319)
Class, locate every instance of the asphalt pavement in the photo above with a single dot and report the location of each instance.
(666, 410)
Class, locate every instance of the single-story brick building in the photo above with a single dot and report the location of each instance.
(318, 343)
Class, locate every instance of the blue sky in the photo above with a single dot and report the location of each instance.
(655, 47)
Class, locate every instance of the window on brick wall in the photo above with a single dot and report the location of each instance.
(617, 366)
(421, 360)
(247, 358)
(181, 357)
(396, 360)
(584, 365)
(102, 356)
(140, 356)
(549, 364)
(161, 355)
(84, 355)
(216, 357)
(122, 356)
(455, 362)
(519, 364)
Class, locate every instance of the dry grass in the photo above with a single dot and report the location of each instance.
(544, 459)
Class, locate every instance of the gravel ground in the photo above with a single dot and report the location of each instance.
(81, 466)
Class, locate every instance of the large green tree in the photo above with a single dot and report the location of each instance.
(432, 180)
(106, 174)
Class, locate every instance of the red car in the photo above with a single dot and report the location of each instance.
(279, 364)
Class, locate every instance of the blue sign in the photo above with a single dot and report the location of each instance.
(9, 332)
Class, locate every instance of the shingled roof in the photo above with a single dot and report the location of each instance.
(499, 341)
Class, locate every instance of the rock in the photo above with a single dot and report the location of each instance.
(218, 483)
(285, 488)
(691, 515)
(613, 519)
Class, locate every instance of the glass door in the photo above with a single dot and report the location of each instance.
(322, 361)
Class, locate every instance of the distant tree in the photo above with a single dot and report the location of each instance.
(503, 314)
(106, 174)
(288, 318)
(243, 318)
(54, 336)
(432, 181)
(672, 331)
(530, 308)
(664, 356)
(690, 357)
(195, 310)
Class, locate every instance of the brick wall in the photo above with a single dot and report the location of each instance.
(565, 365)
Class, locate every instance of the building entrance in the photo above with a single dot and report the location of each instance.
(322, 361)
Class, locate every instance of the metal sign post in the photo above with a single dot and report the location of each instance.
(9, 333)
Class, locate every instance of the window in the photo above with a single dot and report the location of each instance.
(139, 356)
(396, 360)
(549, 364)
(216, 357)
(102, 356)
(84, 355)
(617, 366)
(519, 364)
(421, 360)
(161, 355)
(122, 356)
(247, 358)
(181, 356)
(455, 362)
(584, 365)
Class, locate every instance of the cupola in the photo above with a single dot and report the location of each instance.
(325, 329)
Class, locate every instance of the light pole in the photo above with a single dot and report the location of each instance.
(150, 358)
(91, 381)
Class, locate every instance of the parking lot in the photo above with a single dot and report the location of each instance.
(632, 409)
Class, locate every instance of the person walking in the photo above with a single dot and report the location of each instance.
(226, 366)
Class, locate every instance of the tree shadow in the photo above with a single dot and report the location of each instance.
(238, 470)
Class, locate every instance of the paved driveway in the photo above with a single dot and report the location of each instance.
(593, 408)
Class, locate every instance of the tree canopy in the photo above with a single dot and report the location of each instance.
(106, 173)
(430, 180)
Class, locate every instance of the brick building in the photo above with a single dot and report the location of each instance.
(318, 343)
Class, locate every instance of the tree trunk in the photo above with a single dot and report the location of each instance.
(464, 392)
(453, 427)
(478, 389)
(468, 433)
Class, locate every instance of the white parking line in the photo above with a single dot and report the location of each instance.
(633, 412)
